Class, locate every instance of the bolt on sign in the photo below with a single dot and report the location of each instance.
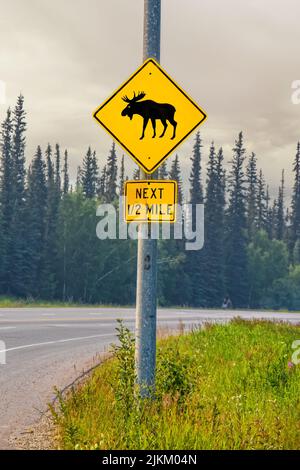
(150, 201)
(149, 115)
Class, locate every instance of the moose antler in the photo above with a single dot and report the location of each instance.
(126, 99)
(139, 96)
(135, 98)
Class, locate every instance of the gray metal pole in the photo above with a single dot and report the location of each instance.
(145, 349)
(151, 45)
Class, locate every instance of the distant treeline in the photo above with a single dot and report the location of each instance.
(49, 248)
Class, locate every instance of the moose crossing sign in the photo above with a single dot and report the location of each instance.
(149, 115)
(150, 201)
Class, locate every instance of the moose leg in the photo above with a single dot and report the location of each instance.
(174, 124)
(164, 123)
(144, 127)
(154, 127)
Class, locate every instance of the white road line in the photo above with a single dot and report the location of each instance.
(95, 313)
(80, 325)
(7, 327)
(113, 314)
(55, 342)
(48, 314)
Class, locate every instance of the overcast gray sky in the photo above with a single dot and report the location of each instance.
(236, 58)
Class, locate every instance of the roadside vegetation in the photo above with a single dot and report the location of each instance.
(11, 302)
(220, 387)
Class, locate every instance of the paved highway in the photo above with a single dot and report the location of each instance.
(48, 347)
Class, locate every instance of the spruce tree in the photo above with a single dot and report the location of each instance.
(194, 259)
(95, 170)
(49, 262)
(6, 200)
(261, 203)
(274, 218)
(213, 273)
(163, 171)
(122, 177)
(173, 273)
(36, 203)
(111, 174)
(252, 194)
(236, 229)
(221, 177)
(175, 174)
(78, 178)
(18, 227)
(50, 167)
(296, 199)
(66, 179)
(7, 168)
(18, 149)
(57, 169)
(287, 232)
(269, 215)
(89, 174)
(279, 212)
(196, 191)
(102, 183)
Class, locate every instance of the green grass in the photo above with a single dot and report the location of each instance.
(10, 302)
(222, 387)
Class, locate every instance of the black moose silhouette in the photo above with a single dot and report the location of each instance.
(149, 109)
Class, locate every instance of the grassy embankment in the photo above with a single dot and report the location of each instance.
(222, 387)
(10, 302)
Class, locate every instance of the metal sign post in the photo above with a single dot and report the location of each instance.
(151, 94)
(145, 346)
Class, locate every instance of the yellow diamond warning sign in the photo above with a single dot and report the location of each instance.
(150, 201)
(149, 115)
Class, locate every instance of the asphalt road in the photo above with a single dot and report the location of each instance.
(48, 347)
